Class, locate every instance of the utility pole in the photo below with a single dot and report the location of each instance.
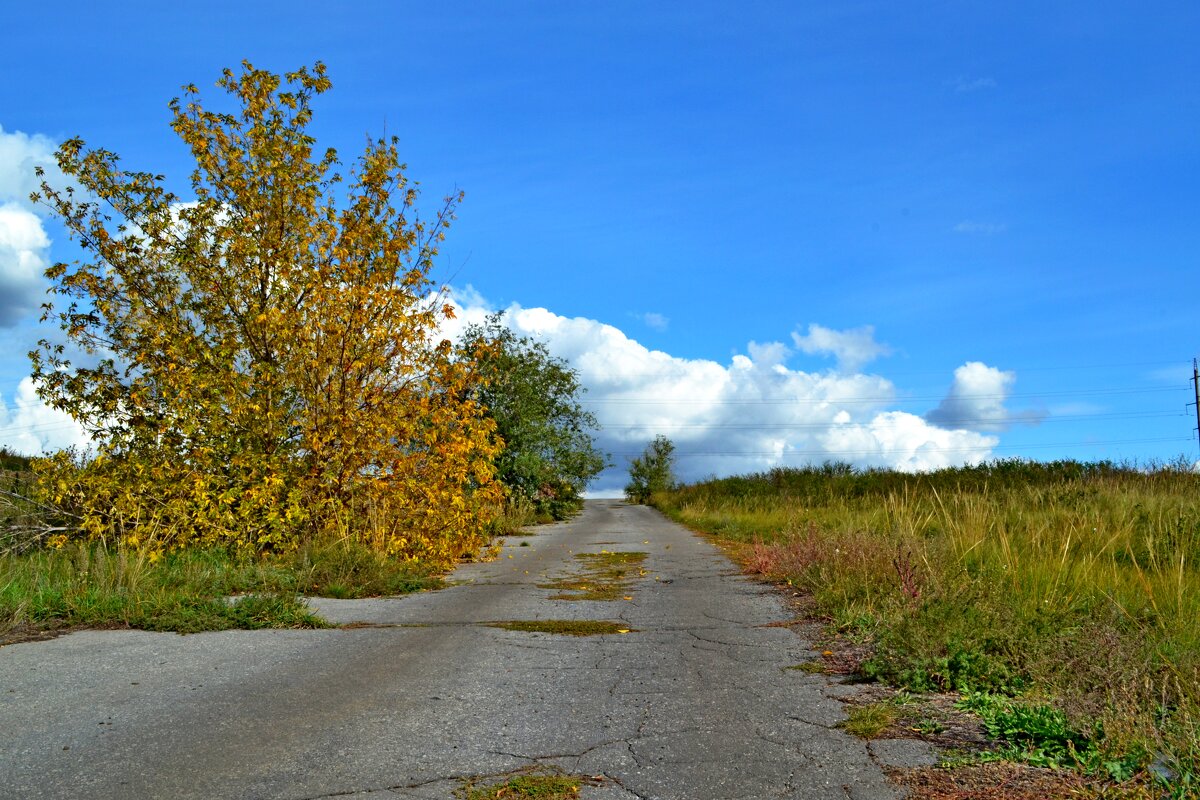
(1196, 386)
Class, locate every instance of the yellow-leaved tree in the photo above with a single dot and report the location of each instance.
(260, 363)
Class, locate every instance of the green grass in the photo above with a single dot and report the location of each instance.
(565, 627)
(601, 576)
(869, 721)
(187, 591)
(530, 786)
(1074, 585)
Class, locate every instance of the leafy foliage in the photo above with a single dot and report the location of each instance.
(549, 452)
(260, 364)
(652, 471)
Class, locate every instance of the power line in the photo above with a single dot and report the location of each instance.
(682, 452)
(678, 362)
(888, 399)
(37, 428)
(960, 421)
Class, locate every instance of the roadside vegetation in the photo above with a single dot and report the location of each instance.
(258, 363)
(1059, 599)
(549, 453)
(86, 584)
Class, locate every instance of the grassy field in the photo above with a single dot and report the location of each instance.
(1062, 599)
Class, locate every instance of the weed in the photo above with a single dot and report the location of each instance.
(928, 727)
(870, 720)
(1035, 734)
(528, 786)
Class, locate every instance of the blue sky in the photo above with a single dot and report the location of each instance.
(1008, 184)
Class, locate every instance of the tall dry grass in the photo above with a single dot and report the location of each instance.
(1078, 584)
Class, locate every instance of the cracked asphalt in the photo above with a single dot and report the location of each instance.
(695, 704)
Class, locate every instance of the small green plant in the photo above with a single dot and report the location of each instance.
(870, 720)
(530, 786)
(1034, 733)
(928, 727)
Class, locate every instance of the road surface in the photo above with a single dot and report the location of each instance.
(693, 703)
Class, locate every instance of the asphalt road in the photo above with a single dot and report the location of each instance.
(694, 703)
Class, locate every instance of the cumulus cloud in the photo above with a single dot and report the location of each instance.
(853, 348)
(32, 428)
(23, 249)
(976, 401)
(750, 414)
(24, 244)
(20, 154)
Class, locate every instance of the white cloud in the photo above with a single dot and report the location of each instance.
(23, 240)
(852, 348)
(23, 247)
(976, 401)
(32, 428)
(751, 414)
(655, 320)
(20, 154)
(980, 228)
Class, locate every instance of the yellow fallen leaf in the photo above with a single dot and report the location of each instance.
(622, 630)
(628, 597)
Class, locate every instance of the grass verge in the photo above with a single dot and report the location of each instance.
(1070, 589)
(88, 585)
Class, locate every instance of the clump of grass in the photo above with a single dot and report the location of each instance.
(529, 786)
(870, 720)
(602, 576)
(811, 667)
(1077, 584)
(567, 627)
